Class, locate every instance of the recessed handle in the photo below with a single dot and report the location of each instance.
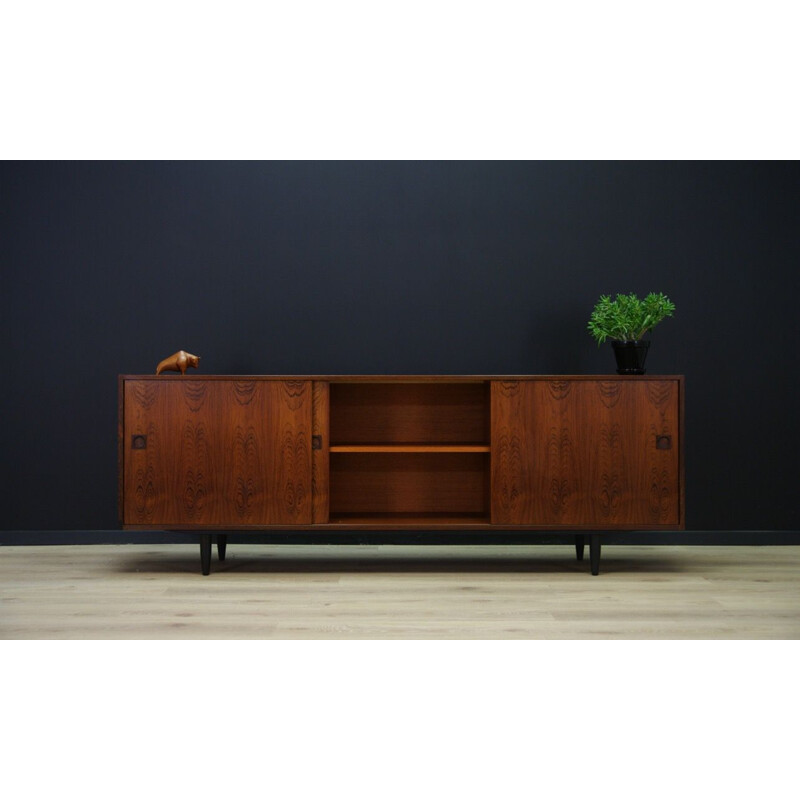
(138, 441)
(316, 443)
(663, 442)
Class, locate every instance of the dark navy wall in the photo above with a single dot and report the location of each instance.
(394, 267)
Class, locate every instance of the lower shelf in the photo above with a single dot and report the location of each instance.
(410, 448)
(415, 520)
(397, 485)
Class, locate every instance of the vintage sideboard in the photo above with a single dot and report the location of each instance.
(583, 453)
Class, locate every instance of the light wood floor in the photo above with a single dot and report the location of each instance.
(399, 592)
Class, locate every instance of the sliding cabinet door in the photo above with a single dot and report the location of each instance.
(216, 452)
(586, 453)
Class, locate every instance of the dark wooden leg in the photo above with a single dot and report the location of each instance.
(594, 553)
(205, 553)
(222, 543)
(580, 541)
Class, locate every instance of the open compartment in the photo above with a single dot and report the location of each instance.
(437, 487)
(409, 452)
(409, 413)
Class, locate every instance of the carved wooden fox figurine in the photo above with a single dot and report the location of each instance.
(178, 362)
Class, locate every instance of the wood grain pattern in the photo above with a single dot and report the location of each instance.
(511, 463)
(290, 405)
(584, 453)
(235, 452)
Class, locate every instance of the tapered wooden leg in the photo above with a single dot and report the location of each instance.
(594, 553)
(205, 553)
(580, 541)
(222, 543)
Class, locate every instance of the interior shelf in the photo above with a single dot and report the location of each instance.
(410, 448)
(414, 519)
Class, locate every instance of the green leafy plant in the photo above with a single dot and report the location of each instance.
(628, 318)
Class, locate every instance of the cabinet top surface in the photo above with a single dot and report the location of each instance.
(399, 378)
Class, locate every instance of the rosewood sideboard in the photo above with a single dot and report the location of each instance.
(583, 453)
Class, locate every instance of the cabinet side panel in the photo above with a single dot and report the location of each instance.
(320, 461)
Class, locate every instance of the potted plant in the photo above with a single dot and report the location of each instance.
(625, 321)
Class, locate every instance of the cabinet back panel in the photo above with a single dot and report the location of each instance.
(371, 413)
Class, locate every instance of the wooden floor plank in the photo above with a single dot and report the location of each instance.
(399, 592)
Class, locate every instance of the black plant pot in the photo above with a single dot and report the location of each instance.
(630, 357)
